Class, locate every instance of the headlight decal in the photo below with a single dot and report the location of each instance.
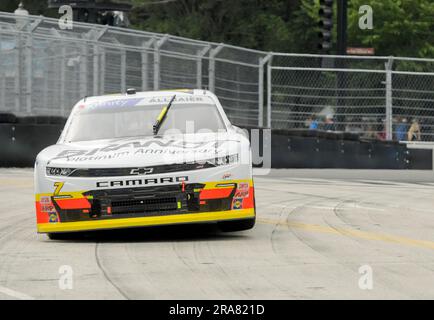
(225, 160)
(59, 172)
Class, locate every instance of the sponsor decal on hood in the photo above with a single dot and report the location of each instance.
(148, 147)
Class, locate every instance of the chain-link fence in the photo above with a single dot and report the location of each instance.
(376, 97)
(44, 70)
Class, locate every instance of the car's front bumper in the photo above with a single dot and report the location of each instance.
(113, 208)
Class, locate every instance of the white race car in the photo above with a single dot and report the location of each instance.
(145, 159)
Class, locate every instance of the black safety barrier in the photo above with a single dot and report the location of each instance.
(319, 149)
(7, 118)
(21, 142)
(21, 139)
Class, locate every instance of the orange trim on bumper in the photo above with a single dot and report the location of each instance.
(81, 203)
(217, 193)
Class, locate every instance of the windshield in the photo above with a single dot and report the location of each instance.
(111, 120)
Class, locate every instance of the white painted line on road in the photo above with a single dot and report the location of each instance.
(358, 206)
(15, 294)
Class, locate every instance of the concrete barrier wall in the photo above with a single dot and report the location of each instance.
(20, 143)
(298, 151)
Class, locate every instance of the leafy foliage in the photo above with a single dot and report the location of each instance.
(401, 27)
(251, 23)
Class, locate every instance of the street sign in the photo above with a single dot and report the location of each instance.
(361, 51)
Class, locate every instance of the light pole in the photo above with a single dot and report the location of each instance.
(342, 27)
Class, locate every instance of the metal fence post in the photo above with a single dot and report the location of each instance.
(98, 63)
(29, 65)
(211, 69)
(95, 69)
(200, 55)
(123, 70)
(389, 102)
(269, 91)
(262, 62)
(83, 70)
(29, 74)
(45, 77)
(3, 89)
(63, 61)
(145, 63)
(102, 73)
(18, 73)
(2, 78)
(2, 85)
(157, 57)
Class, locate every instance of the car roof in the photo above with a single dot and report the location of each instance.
(149, 94)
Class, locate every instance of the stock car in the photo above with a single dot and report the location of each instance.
(145, 159)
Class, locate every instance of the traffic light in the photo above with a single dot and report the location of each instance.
(326, 25)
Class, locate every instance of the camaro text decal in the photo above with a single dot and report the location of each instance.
(140, 182)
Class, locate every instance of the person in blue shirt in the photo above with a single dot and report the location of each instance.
(401, 130)
(313, 124)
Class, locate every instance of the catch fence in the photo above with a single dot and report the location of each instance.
(44, 70)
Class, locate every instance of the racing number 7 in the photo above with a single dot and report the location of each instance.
(58, 186)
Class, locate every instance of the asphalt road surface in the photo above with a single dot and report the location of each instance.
(320, 234)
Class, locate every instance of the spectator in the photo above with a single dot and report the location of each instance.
(381, 135)
(329, 124)
(401, 130)
(414, 131)
(370, 133)
(313, 125)
(353, 125)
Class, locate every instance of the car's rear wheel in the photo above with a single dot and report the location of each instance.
(237, 225)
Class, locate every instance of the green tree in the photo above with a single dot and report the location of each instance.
(258, 24)
(304, 27)
(401, 28)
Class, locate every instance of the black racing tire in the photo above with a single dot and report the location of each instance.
(58, 236)
(237, 225)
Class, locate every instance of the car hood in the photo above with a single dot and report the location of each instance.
(144, 151)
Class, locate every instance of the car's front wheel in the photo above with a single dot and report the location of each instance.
(237, 225)
(58, 236)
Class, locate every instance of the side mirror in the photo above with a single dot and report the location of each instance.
(244, 132)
